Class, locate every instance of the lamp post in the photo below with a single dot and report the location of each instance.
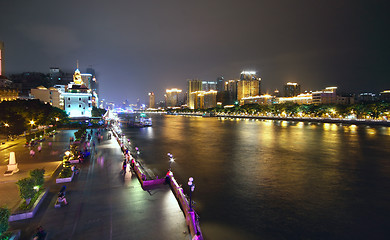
(6, 125)
(32, 122)
(171, 160)
(191, 184)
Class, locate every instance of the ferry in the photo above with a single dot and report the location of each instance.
(141, 121)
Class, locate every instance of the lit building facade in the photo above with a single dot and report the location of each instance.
(384, 96)
(172, 97)
(51, 96)
(262, 100)
(203, 99)
(325, 96)
(249, 85)
(7, 94)
(292, 89)
(152, 100)
(77, 98)
(304, 98)
(193, 86)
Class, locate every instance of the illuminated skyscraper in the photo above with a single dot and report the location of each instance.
(152, 101)
(1, 58)
(292, 89)
(193, 86)
(248, 85)
(172, 97)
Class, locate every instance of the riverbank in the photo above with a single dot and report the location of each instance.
(369, 122)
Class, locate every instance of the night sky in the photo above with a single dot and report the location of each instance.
(149, 45)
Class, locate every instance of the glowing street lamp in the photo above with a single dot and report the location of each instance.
(171, 160)
(191, 184)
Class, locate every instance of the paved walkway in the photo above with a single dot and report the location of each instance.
(49, 158)
(104, 203)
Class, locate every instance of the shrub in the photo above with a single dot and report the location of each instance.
(26, 188)
(65, 173)
(4, 216)
(37, 176)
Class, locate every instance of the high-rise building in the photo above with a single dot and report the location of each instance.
(220, 84)
(248, 75)
(152, 101)
(207, 86)
(292, 89)
(172, 97)
(203, 99)
(231, 89)
(193, 86)
(249, 85)
(1, 58)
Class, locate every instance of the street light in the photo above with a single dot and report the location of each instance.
(191, 184)
(171, 160)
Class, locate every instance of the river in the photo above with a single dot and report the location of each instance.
(267, 179)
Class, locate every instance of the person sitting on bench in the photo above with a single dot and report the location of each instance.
(62, 199)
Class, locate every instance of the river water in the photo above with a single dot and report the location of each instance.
(266, 179)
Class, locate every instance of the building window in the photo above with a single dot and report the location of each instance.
(68, 98)
(79, 99)
(79, 106)
(69, 106)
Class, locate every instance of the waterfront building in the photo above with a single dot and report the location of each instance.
(291, 89)
(193, 86)
(303, 98)
(367, 97)
(231, 90)
(325, 96)
(203, 99)
(152, 101)
(172, 97)
(249, 85)
(261, 100)
(77, 98)
(1, 58)
(385, 96)
(50, 96)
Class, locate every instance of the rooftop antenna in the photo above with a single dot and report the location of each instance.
(77, 62)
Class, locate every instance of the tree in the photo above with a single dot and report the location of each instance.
(26, 188)
(37, 176)
(4, 216)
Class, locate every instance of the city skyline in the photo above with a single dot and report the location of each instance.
(142, 47)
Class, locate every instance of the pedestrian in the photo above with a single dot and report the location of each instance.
(124, 166)
(32, 153)
(39, 148)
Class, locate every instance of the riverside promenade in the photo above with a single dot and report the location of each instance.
(105, 203)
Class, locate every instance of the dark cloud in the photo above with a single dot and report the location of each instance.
(141, 46)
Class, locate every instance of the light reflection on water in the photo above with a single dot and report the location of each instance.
(280, 179)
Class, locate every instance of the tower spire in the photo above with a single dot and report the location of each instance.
(77, 63)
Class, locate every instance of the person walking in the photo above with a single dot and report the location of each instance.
(124, 166)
